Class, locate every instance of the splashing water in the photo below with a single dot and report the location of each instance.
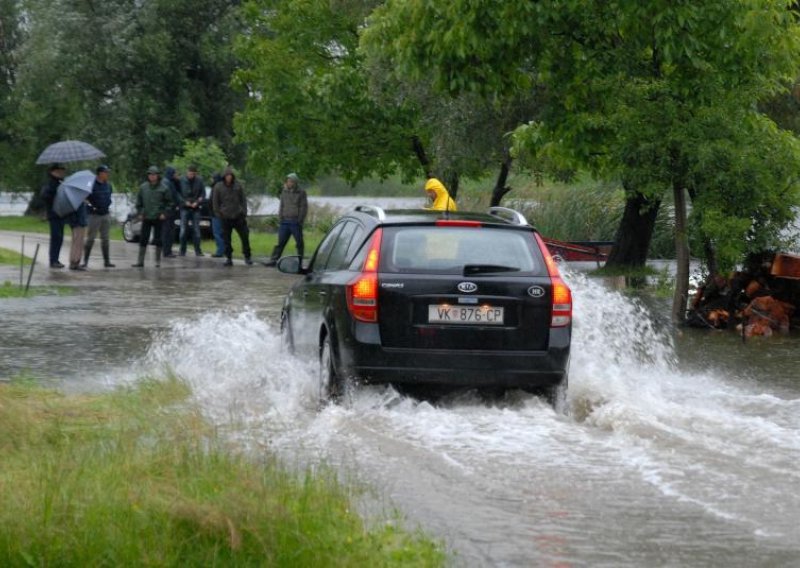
(709, 447)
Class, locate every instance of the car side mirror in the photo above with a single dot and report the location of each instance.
(291, 265)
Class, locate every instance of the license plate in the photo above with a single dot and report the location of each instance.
(479, 315)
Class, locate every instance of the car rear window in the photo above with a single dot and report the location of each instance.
(448, 250)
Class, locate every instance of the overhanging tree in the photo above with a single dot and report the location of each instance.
(627, 81)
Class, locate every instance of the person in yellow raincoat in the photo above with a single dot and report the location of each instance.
(440, 196)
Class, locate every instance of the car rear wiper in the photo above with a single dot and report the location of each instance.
(470, 269)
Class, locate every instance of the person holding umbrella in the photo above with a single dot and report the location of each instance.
(99, 204)
(78, 220)
(55, 173)
(152, 205)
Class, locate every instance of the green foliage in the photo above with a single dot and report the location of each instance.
(133, 78)
(205, 153)
(137, 477)
(308, 108)
(661, 95)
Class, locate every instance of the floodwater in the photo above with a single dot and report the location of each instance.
(680, 449)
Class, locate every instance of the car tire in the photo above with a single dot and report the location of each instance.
(557, 396)
(127, 232)
(287, 341)
(329, 382)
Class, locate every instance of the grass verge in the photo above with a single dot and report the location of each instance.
(13, 290)
(137, 477)
(11, 257)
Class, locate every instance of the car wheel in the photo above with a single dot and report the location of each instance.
(127, 232)
(557, 396)
(287, 341)
(329, 382)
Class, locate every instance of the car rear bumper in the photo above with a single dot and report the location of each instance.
(458, 368)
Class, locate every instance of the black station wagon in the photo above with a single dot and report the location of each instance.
(420, 298)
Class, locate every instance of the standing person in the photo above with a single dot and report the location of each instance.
(55, 174)
(98, 206)
(291, 214)
(152, 204)
(216, 222)
(173, 181)
(230, 205)
(193, 192)
(440, 197)
(78, 220)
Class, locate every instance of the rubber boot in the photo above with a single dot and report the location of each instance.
(300, 253)
(273, 260)
(158, 257)
(104, 246)
(140, 263)
(87, 250)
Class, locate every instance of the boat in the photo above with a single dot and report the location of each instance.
(572, 251)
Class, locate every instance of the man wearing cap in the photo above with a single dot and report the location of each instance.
(291, 214)
(193, 192)
(152, 204)
(55, 174)
(99, 205)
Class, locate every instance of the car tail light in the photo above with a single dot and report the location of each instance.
(562, 295)
(362, 291)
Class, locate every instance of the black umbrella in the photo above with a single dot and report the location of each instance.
(69, 151)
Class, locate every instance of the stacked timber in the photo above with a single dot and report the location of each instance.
(759, 300)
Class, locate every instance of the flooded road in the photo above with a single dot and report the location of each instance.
(680, 450)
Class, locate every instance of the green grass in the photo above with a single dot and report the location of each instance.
(11, 257)
(28, 224)
(24, 224)
(13, 290)
(263, 237)
(138, 478)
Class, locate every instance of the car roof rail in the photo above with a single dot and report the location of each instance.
(511, 215)
(372, 210)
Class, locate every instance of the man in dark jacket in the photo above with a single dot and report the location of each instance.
(230, 205)
(55, 174)
(99, 208)
(193, 192)
(291, 214)
(173, 181)
(152, 203)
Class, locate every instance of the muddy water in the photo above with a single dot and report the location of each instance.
(681, 450)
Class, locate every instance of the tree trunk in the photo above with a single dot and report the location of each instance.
(451, 182)
(635, 231)
(500, 187)
(708, 246)
(419, 150)
(681, 297)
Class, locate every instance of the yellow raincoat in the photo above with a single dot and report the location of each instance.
(442, 200)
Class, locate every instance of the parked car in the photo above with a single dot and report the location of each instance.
(132, 226)
(421, 298)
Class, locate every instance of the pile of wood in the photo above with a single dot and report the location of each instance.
(759, 300)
